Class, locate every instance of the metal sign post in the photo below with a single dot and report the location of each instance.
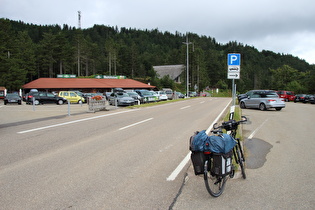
(69, 113)
(234, 69)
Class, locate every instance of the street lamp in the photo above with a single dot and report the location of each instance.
(187, 66)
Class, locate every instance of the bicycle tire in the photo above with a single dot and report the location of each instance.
(240, 161)
(214, 184)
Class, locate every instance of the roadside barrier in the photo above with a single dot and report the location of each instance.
(96, 105)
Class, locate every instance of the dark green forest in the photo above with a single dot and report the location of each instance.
(29, 51)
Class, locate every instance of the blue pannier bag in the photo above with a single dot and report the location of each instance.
(197, 141)
(219, 144)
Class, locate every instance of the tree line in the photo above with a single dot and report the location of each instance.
(29, 51)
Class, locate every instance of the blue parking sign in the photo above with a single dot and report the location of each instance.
(234, 59)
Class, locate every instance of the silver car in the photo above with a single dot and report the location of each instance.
(121, 99)
(262, 99)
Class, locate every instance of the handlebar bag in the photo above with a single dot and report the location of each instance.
(219, 144)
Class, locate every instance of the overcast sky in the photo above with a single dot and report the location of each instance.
(284, 26)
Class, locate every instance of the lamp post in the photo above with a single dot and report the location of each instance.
(187, 66)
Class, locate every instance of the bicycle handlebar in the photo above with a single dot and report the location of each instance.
(230, 125)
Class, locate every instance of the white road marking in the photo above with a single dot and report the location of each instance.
(257, 129)
(216, 119)
(185, 107)
(182, 164)
(128, 126)
(178, 169)
(75, 121)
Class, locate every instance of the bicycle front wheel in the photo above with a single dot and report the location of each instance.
(215, 184)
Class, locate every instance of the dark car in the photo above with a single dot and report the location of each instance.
(193, 94)
(241, 96)
(44, 98)
(87, 96)
(179, 95)
(12, 98)
(301, 98)
(309, 99)
(28, 97)
(134, 95)
(312, 99)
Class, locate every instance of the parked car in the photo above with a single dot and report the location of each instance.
(28, 96)
(169, 92)
(301, 98)
(44, 98)
(179, 95)
(71, 96)
(118, 90)
(79, 93)
(312, 99)
(107, 94)
(286, 95)
(134, 95)
(86, 96)
(12, 98)
(155, 95)
(162, 95)
(192, 94)
(241, 96)
(123, 99)
(262, 99)
(146, 96)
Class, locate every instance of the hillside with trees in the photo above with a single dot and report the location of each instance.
(28, 52)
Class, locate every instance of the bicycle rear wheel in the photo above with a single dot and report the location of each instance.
(240, 161)
(215, 184)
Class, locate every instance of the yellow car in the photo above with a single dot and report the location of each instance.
(71, 96)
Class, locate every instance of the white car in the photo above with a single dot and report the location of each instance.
(162, 95)
(155, 95)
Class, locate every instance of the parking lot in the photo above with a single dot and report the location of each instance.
(17, 114)
(95, 142)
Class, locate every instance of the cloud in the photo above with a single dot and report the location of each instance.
(278, 25)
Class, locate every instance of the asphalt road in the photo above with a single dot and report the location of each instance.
(118, 159)
(280, 165)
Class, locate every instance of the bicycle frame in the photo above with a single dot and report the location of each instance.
(215, 184)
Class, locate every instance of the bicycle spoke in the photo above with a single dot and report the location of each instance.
(214, 184)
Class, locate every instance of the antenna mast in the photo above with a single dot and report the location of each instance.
(79, 26)
(79, 19)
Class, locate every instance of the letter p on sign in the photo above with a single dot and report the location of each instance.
(234, 59)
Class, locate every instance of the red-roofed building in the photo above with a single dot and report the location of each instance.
(84, 84)
(2, 92)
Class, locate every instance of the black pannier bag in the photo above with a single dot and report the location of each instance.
(222, 163)
(200, 142)
(198, 160)
(197, 157)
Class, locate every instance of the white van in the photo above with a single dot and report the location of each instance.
(169, 92)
